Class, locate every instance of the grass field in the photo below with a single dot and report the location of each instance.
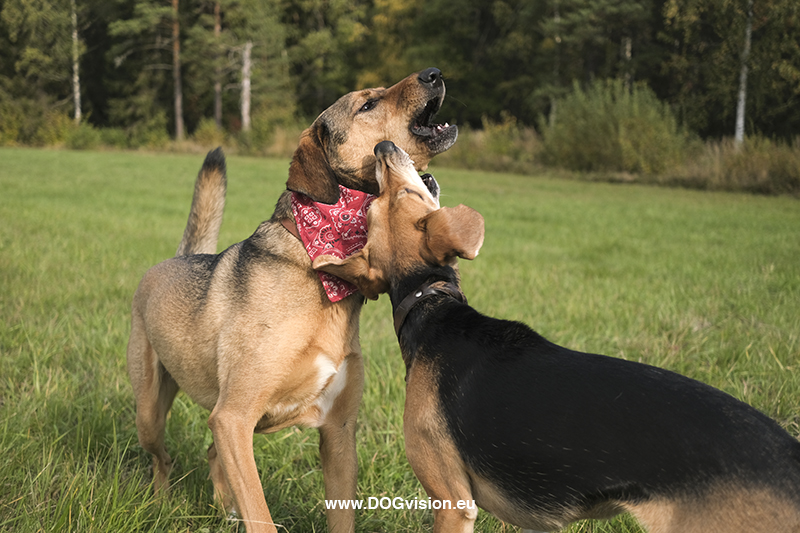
(707, 284)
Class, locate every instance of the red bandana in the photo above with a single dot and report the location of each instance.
(338, 229)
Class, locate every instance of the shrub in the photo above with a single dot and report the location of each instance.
(83, 137)
(270, 140)
(11, 123)
(759, 165)
(208, 134)
(33, 122)
(52, 129)
(150, 133)
(274, 130)
(114, 137)
(283, 140)
(763, 166)
(503, 146)
(610, 128)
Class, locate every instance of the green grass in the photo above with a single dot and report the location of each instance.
(707, 284)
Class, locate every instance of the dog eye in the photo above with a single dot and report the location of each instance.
(369, 104)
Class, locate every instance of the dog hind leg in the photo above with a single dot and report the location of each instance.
(154, 390)
(727, 509)
(153, 403)
(222, 491)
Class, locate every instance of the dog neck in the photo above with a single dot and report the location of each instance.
(283, 214)
(444, 283)
(291, 227)
(338, 229)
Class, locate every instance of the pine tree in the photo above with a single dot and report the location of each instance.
(151, 45)
(42, 32)
(735, 64)
(324, 38)
(258, 41)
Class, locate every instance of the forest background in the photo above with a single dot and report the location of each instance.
(704, 93)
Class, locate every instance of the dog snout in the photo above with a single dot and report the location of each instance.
(384, 148)
(431, 76)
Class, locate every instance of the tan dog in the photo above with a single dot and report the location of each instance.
(250, 334)
(541, 435)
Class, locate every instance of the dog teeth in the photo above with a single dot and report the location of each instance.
(429, 131)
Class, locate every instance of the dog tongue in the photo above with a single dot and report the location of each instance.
(338, 229)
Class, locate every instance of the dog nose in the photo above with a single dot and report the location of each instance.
(431, 76)
(384, 148)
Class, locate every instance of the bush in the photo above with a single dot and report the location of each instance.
(83, 137)
(610, 128)
(53, 129)
(114, 137)
(208, 135)
(274, 131)
(503, 146)
(283, 140)
(32, 122)
(759, 165)
(150, 133)
(11, 123)
(270, 140)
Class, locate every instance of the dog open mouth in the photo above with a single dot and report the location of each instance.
(431, 184)
(438, 137)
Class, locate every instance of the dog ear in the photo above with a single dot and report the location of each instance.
(355, 269)
(452, 231)
(310, 173)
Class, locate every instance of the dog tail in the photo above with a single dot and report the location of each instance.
(208, 204)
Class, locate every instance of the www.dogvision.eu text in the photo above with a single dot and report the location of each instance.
(386, 502)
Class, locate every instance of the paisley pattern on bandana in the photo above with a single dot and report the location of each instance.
(338, 229)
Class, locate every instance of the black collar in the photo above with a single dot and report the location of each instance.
(423, 292)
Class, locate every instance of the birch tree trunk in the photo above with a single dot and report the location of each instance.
(246, 66)
(176, 71)
(76, 79)
(738, 137)
(627, 48)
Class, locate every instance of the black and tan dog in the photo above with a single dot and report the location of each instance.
(250, 334)
(541, 435)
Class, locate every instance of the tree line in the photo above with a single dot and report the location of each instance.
(725, 67)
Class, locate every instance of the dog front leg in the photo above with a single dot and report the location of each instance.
(337, 447)
(340, 472)
(233, 441)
